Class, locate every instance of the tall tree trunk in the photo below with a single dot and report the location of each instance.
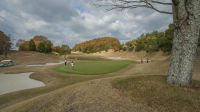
(186, 15)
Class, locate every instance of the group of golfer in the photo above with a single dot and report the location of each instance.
(70, 63)
(147, 60)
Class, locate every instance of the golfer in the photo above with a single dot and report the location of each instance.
(72, 64)
(65, 62)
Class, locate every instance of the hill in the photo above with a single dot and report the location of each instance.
(98, 44)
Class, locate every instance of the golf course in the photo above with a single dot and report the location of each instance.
(100, 56)
(99, 84)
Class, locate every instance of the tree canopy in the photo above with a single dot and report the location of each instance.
(152, 42)
(37, 43)
(62, 50)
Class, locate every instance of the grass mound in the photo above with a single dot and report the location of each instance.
(94, 67)
(154, 92)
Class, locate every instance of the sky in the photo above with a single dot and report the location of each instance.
(73, 21)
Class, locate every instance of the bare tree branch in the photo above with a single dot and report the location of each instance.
(131, 4)
(162, 3)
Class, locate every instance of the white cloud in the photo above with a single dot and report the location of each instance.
(69, 21)
(32, 24)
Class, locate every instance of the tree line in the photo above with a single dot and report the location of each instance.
(98, 44)
(41, 44)
(151, 42)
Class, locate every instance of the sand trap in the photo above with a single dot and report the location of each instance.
(15, 82)
(114, 58)
(47, 64)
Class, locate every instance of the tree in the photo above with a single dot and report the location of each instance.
(65, 49)
(19, 42)
(41, 47)
(186, 22)
(5, 43)
(62, 50)
(23, 46)
(186, 34)
(44, 47)
(40, 38)
(32, 46)
(37, 43)
(130, 45)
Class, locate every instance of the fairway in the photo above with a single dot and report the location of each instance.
(94, 67)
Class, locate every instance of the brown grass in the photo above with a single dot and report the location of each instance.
(154, 92)
(132, 55)
(29, 57)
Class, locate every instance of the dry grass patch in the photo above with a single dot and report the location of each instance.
(154, 92)
(30, 57)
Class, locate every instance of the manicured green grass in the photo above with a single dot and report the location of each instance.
(158, 95)
(94, 67)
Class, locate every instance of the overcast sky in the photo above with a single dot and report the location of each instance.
(72, 21)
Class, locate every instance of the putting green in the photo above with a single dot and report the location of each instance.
(94, 67)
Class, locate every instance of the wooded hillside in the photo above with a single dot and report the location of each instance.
(98, 44)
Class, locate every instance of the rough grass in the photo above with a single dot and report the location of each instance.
(154, 92)
(94, 67)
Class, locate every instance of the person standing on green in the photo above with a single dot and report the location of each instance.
(72, 64)
(65, 62)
